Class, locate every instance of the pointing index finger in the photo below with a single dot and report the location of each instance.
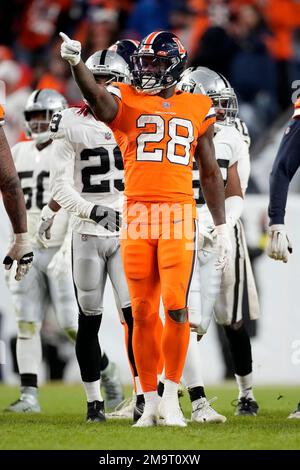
(64, 37)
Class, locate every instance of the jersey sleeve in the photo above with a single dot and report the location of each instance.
(286, 164)
(62, 180)
(2, 114)
(210, 115)
(243, 166)
(117, 123)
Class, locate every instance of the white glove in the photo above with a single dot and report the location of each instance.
(61, 265)
(70, 50)
(279, 246)
(20, 251)
(44, 226)
(223, 246)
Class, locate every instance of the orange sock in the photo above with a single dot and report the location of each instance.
(175, 343)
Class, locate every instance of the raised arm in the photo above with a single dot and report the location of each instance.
(103, 104)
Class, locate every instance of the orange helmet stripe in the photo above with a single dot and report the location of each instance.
(149, 40)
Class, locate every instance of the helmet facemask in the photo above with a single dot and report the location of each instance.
(152, 73)
(109, 76)
(226, 106)
(37, 124)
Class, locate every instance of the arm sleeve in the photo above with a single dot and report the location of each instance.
(62, 180)
(286, 164)
(243, 166)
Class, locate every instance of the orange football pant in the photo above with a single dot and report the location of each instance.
(157, 267)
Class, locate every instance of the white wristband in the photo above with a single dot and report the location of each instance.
(221, 228)
(22, 237)
(47, 213)
(277, 228)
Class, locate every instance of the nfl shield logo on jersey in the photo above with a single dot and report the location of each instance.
(107, 135)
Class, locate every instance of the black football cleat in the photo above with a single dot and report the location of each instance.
(138, 411)
(95, 412)
(246, 407)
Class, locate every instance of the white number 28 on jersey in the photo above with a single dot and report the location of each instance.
(176, 140)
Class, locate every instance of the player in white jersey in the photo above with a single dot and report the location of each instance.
(49, 281)
(87, 181)
(212, 291)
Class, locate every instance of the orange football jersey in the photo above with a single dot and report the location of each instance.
(157, 138)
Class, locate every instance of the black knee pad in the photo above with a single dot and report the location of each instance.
(89, 325)
(180, 315)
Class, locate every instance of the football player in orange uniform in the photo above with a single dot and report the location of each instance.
(14, 203)
(159, 132)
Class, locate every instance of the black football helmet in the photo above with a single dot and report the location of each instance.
(125, 48)
(158, 62)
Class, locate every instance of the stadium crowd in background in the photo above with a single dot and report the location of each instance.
(254, 43)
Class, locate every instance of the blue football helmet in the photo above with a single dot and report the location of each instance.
(158, 63)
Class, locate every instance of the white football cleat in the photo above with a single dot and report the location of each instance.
(27, 403)
(147, 420)
(295, 414)
(203, 412)
(170, 413)
(124, 410)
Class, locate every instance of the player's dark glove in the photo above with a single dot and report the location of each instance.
(109, 219)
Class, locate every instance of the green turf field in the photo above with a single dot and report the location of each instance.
(61, 424)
